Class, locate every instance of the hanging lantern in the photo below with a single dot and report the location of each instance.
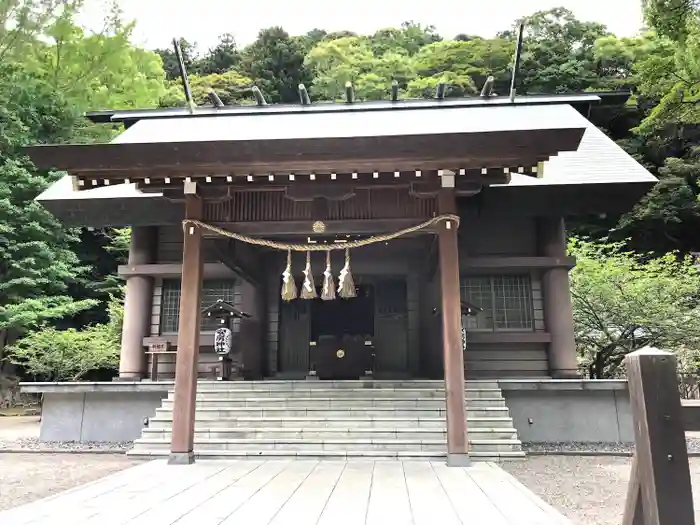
(328, 293)
(308, 289)
(346, 284)
(223, 341)
(289, 287)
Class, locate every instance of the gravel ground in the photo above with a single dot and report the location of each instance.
(693, 444)
(588, 490)
(28, 477)
(33, 444)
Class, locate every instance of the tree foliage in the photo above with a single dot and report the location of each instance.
(623, 302)
(275, 62)
(50, 354)
(52, 70)
(37, 257)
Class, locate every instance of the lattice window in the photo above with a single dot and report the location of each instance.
(506, 301)
(211, 292)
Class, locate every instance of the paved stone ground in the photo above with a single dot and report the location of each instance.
(588, 490)
(28, 477)
(296, 492)
(19, 427)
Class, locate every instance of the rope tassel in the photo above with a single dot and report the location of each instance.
(289, 287)
(308, 289)
(328, 293)
(346, 284)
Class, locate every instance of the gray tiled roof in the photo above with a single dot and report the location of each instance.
(598, 160)
(283, 126)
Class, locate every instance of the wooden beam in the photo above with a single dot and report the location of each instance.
(206, 339)
(515, 263)
(240, 259)
(453, 356)
(182, 444)
(660, 491)
(301, 187)
(209, 270)
(348, 227)
(507, 337)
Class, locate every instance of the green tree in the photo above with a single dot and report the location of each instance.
(558, 52)
(221, 58)
(37, 261)
(623, 301)
(351, 59)
(409, 38)
(671, 18)
(23, 21)
(232, 88)
(95, 71)
(465, 65)
(275, 63)
(170, 63)
(70, 355)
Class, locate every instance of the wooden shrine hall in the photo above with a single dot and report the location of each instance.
(391, 239)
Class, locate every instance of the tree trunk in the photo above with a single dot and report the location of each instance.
(3, 339)
(7, 337)
(599, 365)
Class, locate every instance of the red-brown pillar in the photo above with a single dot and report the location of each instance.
(453, 356)
(182, 445)
(558, 312)
(138, 298)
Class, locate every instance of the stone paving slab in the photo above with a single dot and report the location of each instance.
(298, 492)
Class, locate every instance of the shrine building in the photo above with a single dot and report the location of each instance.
(417, 241)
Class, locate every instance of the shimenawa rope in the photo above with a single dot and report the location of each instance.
(321, 247)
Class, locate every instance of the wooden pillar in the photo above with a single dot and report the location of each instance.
(558, 313)
(659, 491)
(138, 298)
(187, 358)
(453, 356)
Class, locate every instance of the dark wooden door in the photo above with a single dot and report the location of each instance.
(391, 327)
(294, 337)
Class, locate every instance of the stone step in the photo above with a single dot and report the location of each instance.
(335, 402)
(293, 445)
(410, 393)
(285, 433)
(331, 454)
(370, 384)
(364, 412)
(165, 422)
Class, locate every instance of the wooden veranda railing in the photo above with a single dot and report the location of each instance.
(659, 491)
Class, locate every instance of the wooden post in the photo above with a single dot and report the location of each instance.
(137, 306)
(558, 312)
(452, 334)
(659, 492)
(187, 357)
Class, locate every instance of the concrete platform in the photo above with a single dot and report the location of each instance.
(295, 492)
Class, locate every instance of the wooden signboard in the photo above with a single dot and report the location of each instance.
(158, 346)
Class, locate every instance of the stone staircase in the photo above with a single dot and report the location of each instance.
(379, 419)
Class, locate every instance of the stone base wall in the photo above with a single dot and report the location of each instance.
(543, 410)
(97, 416)
(570, 411)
